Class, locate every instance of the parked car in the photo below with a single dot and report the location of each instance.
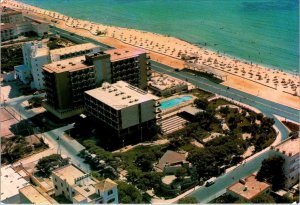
(210, 182)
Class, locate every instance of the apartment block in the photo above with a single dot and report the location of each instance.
(290, 151)
(79, 187)
(123, 107)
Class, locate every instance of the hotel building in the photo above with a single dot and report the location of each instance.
(11, 16)
(129, 65)
(66, 80)
(36, 54)
(79, 187)
(123, 107)
(13, 24)
(290, 151)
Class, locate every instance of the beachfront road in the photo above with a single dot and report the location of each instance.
(206, 194)
(267, 107)
(78, 39)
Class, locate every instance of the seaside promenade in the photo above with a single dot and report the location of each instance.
(246, 76)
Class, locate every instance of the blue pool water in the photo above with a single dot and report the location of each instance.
(174, 102)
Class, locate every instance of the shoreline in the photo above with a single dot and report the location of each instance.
(200, 45)
(120, 37)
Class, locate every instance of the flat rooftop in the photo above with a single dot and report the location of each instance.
(73, 49)
(33, 195)
(120, 95)
(289, 147)
(163, 82)
(12, 182)
(250, 188)
(123, 53)
(69, 173)
(41, 51)
(71, 64)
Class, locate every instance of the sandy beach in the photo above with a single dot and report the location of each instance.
(271, 84)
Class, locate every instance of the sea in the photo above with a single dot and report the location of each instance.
(259, 31)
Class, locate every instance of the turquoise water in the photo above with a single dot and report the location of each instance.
(261, 31)
(174, 102)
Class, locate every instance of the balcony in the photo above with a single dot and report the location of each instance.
(157, 104)
(157, 110)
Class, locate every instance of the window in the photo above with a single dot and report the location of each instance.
(62, 184)
(55, 187)
(110, 192)
(111, 200)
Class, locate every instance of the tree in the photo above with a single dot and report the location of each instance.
(145, 161)
(201, 103)
(188, 200)
(35, 101)
(272, 171)
(46, 164)
(264, 199)
(225, 110)
(128, 194)
(181, 172)
(133, 175)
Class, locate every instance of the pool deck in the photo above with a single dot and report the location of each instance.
(176, 107)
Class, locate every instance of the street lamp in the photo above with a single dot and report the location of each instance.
(58, 142)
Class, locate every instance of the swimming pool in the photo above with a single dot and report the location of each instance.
(174, 102)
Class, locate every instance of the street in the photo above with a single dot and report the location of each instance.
(206, 194)
(51, 136)
(203, 194)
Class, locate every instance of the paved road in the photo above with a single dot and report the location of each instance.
(78, 39)
(52, 135)
(267, 107)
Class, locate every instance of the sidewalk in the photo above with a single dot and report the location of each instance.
(174, 200)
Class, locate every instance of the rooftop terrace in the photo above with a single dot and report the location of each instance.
(289, 147)
(69, 173)
(249, 187)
